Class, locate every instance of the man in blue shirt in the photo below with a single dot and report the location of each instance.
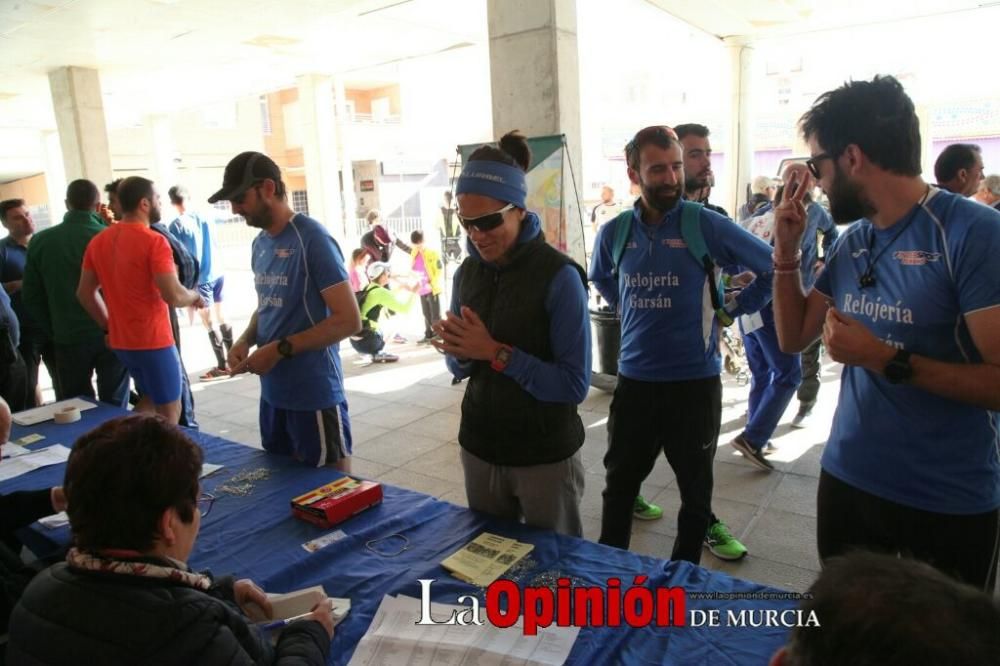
(818, 223)
(669, 395)
(13, 387)
(35, 343)
(198, 236)
(305, 307)
(909, 302)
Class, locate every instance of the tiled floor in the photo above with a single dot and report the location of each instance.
(405, 419)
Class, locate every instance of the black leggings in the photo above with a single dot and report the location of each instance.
(962, 546)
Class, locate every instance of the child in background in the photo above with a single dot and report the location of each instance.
(356, 271)
(428, 268)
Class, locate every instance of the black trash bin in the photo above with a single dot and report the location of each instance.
(607, 338)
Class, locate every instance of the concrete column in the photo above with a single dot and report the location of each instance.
(350, 201)
(164, 170)
(83, 134)
(55, 176)
(535, 82)
(319, 151)
(740, 153)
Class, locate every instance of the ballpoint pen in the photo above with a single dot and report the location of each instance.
(278, 624)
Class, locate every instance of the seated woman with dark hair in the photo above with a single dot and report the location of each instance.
(125, 593)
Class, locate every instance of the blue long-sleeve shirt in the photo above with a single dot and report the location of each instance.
(669, 330)
(567, 377)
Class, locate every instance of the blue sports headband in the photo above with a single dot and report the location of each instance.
(494, 179)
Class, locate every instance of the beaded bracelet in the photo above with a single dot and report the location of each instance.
(791, 264)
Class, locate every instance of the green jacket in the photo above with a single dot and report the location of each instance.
(52, 273)
(375, 299)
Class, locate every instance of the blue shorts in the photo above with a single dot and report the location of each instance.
(319, 437)
(156, 372)
(211, 292)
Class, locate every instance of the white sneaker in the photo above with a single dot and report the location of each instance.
(802, 418)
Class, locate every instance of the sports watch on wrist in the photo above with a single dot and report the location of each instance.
(502, 358)
(899, 370)
(285, 348)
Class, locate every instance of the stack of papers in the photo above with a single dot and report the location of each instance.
(14, 467)
(294, 604)
(395, 638)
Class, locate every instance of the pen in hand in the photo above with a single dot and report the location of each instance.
(278, 624)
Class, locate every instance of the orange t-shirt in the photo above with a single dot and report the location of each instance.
(125, 258)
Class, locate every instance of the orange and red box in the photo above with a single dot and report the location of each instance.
(337, 501)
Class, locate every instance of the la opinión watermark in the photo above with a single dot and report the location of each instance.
(611, 606)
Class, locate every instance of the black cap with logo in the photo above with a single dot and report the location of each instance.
(242, 172)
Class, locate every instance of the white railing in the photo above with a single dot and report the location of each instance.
(400, 226)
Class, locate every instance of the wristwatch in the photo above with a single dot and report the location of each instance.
(285, 348)
(899, 370)
(502, 358)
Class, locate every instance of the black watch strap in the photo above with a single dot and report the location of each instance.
(899, 370)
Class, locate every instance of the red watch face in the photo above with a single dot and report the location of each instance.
(501, 359)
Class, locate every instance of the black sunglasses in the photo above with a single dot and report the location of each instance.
(484, 223)
(241, 197)
(813, 163)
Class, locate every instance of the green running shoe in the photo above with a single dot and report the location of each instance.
(644, 510)
(721, 543)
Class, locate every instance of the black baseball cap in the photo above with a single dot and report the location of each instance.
(242, 172)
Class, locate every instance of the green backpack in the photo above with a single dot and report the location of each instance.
(695, 241)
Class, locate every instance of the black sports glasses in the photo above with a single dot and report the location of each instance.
(484, 223)
(241, 197)
(813, 163)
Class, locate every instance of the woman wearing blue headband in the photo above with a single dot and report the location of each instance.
(519, 329)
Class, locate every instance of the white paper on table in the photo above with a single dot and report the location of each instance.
(208, 468)
(394, 637)
(14, 450)
(55, 520)
(47, 412)
(53, 455)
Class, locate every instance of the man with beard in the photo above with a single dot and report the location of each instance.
(127, 284)
(698, 176)
(305, 307)
(187, 274)
(909, 302)
(669, 395)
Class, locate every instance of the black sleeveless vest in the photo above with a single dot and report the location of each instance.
(501, 422)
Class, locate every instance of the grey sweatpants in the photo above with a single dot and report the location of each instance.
(546, 496)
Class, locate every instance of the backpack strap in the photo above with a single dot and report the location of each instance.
(695, 241)
(623, 228)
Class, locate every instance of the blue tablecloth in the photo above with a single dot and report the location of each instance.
(256, 537)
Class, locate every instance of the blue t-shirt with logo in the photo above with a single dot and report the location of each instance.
(291, 270)
(669, 330)
(900, 442)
